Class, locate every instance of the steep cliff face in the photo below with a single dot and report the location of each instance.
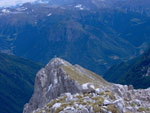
(63, 88)
(60, 77)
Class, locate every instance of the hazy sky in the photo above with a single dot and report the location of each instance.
(7, 3)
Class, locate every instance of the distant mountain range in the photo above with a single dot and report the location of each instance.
(97, 37)
(16, 82)
(135, 72)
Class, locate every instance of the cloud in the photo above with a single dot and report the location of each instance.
(9, 3)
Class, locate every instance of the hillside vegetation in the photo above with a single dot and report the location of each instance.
(16, 82)
(135, 72)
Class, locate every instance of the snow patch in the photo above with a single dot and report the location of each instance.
(5, 11)
(21, 9)
(9, 3)
(12, 3)
(79, 6)
(49, 14)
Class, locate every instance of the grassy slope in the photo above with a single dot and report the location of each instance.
(84, 76)
(16, 82)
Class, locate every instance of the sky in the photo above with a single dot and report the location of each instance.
(9, 3)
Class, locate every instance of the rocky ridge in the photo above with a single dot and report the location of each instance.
(62, 87)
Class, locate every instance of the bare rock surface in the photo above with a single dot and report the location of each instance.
(63, 88)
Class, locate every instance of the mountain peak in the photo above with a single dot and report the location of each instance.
(58, 77)
(57, 62)
(60, 86)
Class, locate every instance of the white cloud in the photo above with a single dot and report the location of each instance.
(9, 3)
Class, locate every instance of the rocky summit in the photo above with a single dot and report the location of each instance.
(64, 88)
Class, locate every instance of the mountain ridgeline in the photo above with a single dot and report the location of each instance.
(61, 87)
(16, 82)
(90, 32)
(135, 72)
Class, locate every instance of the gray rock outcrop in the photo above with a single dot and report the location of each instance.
(50, 83)
(59, 77)
(63, 88)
